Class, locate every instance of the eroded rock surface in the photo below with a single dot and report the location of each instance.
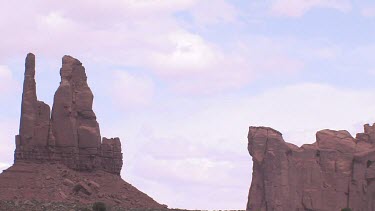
(60, 161)
(47, 184)
(335, 172)
(71, 135)
(34, 124)
(60, 158)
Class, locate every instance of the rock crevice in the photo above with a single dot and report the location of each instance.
(333, 173)
(70, 133)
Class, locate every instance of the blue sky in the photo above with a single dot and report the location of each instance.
(181, 81)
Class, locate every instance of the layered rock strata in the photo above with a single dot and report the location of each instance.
(335, 172)
(71, 134)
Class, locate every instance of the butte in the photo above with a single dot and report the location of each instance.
(60, 155)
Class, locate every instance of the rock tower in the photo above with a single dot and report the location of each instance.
(71, 134)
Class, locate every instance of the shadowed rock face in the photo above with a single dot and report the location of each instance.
(335, 172)
(72, 135)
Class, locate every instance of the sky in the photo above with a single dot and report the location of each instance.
(181, 81)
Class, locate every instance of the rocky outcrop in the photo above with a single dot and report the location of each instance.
(71, 135)
(335, 172)
(60, 161)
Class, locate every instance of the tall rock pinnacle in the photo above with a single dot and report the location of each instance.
(61, 157)
(34, 124)
(73, 120)
(72, 135)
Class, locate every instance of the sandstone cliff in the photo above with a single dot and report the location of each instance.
(335, 172)
(71, 135)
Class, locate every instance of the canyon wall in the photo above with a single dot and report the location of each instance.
(335, 172)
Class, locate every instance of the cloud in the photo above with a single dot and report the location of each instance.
(124, 33)
(8, 130)
(190, 54)
(194, 65)
(368, 12)
(189, 168)
(202, 145)
(54, 21)
(7, 83)
(131, 90)
(328, 52)
(4, 166)
(297, 8)
(198, 177)
(204, 15)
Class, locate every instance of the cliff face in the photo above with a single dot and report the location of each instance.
(71, 135)
(335, 172)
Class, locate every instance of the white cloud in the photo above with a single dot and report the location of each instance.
(223, 12)
(124, 33)
(55, 21)
(132, 91)
(5, 73)
(7, 82)
(8, 130)
(159, 5)
(368, 11)
(202, 145)
(189, 168)
(328, 53)
(297, 8)
(194, 65)
(4, 166)
(190, 54)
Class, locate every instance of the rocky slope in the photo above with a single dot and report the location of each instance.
(335, 172)
(59, 156)
(49, 183)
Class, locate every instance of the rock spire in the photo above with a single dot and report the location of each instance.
(71, 135)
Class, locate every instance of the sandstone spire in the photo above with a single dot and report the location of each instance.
(35, 114)
(61, 159)
(72, 135)
(29, 100)
(73, 120)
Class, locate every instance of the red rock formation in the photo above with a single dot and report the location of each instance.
(34, 124)
(46, 183)
(72, 135)
(333, 173)
(62, 158)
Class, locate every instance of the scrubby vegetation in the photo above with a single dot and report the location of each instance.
(99, 206)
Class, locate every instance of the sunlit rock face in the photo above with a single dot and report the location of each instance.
(70, 133)
(335, 172)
